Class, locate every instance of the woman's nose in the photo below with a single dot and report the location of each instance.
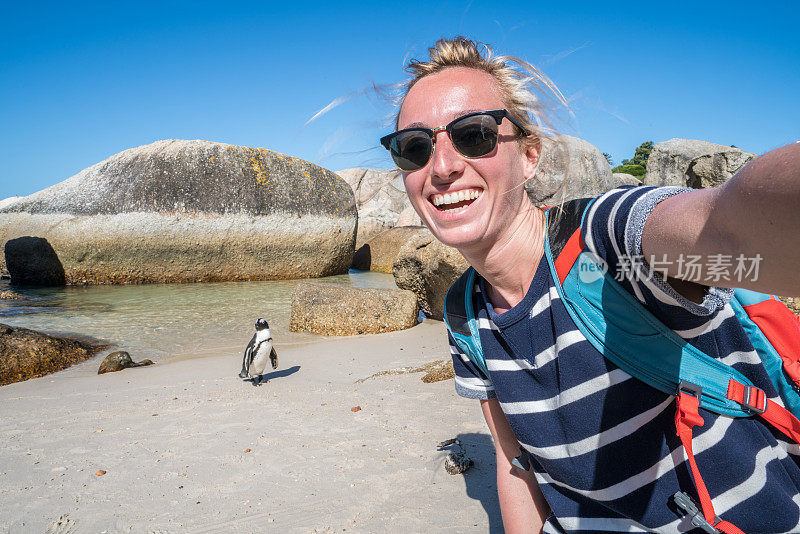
(447, 164)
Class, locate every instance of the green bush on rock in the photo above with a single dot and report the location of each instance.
(635, 170)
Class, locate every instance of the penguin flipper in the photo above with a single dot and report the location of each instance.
(273, 357)
(248, 358)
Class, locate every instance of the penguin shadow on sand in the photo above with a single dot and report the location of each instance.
(481, 479)
(263, 379)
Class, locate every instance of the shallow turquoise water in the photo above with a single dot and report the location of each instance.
(160, 321)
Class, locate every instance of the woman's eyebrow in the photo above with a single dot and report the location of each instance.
(459, 115)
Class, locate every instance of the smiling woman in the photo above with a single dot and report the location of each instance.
(601, 448)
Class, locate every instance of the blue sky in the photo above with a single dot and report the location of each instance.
(82, 81)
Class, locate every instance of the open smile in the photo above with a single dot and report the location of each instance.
(455, 201)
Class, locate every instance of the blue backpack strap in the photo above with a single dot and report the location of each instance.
(459, 317)
(627, 334)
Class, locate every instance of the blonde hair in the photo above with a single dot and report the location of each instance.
(519, 82)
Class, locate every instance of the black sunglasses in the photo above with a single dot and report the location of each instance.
(474, 135)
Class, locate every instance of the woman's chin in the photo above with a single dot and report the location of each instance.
(462, 237)
(460, 229)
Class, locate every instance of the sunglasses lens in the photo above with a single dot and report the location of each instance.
(475, 136)
(411, 150)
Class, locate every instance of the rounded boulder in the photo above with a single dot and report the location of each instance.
(182, 211)
(379, 252)
(569, 168)
(27, 353)
(335, 310)
(428, 268)
(693, 163)
(381, 199)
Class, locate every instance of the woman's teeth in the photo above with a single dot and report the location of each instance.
(455, 201)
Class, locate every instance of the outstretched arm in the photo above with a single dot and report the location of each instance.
(754, 215)
(522, 504)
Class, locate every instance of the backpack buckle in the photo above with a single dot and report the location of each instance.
(748, 396)
(523, 461)
(689, 508)
(692, 389)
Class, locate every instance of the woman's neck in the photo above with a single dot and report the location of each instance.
(510, 264)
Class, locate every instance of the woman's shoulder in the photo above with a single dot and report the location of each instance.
(612, 229)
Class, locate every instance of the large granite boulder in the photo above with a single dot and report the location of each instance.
(711, 170)
(381, 200)
(409, 217)
(183, 211)
(622, 178)
(428, 268)
(26, 353)
(569, 168)
(8, 201)
(335, 310)
(380, 251)
(670, 161)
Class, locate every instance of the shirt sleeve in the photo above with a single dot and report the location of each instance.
(613, 231)
(469, 380)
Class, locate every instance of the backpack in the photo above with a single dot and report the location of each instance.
(627, 334)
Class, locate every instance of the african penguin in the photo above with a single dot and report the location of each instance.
(258, 350)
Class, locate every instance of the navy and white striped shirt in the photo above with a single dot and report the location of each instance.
(603, 444)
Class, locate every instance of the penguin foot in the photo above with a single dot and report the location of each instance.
(242, 375)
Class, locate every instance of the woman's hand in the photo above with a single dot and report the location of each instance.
(522, 504)
(753, 216)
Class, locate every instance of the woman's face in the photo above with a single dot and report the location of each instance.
(443, 191)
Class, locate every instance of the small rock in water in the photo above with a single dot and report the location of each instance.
(7, 294)
(117, 361)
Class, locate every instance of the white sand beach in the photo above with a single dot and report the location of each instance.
(187, 446)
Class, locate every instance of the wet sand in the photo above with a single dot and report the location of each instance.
(187, 446)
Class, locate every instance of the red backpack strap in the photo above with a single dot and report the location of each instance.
(687, 417)
(569, 255)
(777, 416)
(564, 234)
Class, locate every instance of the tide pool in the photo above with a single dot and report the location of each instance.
(162, 321)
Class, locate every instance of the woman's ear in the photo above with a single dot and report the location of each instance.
(532, 153)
